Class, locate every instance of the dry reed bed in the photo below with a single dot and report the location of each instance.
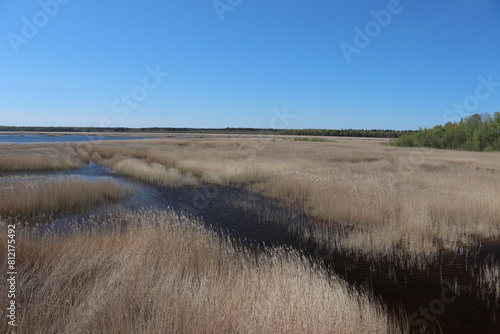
(33, 195)
(374, 200)
(15, 158)
(385, 209)
(166, 274)
(153, 172)
(418, 200)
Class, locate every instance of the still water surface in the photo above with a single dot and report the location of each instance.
(27, 138)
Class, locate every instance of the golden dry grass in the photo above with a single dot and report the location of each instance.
(32, 195)
(166, 274)
(152, 172)
(412, 199)
(372, 199)
(15, 158)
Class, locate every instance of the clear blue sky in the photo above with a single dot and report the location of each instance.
(85, 57)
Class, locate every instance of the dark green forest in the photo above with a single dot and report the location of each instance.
(346, 133)
(473, 133)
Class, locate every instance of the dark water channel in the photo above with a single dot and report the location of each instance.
(444, 296)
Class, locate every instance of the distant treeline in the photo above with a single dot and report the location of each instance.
(473, 133)
(262, 131)
(135, 130)
(347, 133)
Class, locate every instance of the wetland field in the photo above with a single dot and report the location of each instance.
(247, 234)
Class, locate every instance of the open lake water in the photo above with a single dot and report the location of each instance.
(56, 138)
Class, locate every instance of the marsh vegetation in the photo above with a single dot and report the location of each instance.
(164, 273)
(31, 195)
(37, 158)
(416, 200)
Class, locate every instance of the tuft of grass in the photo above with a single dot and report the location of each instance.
(14, 158)
(29, 196)
(489, 276)
(152, 172)
(162, 273)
